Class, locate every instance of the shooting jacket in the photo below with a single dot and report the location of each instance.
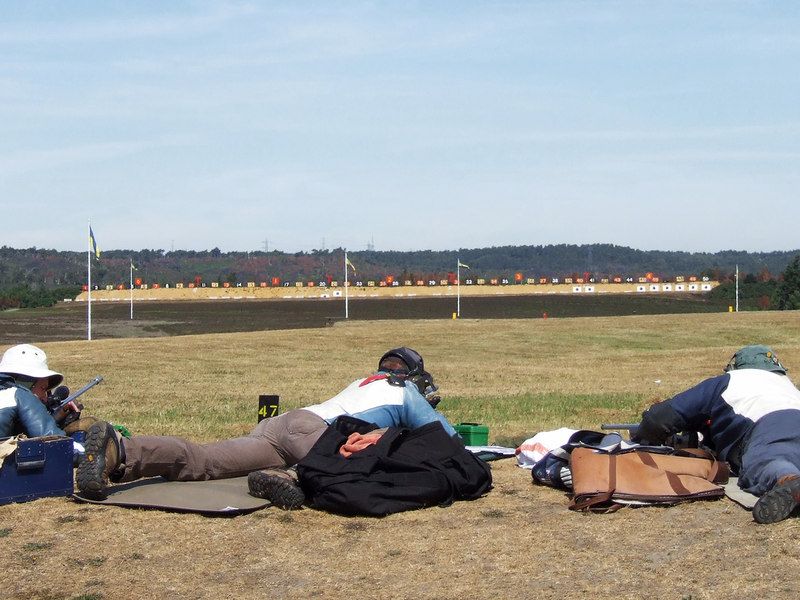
(724, 408)
(749, 417)
(384, 401)
(22, 412)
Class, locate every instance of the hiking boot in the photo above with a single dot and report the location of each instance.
(102, 458)
(279, 486)
(79, 424)
(778, 503)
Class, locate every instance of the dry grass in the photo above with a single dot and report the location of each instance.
(517, 542)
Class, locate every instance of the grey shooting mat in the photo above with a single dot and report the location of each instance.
(219, 497)
(738, 495)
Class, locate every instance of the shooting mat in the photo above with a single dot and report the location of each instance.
(738, 495)
(224, 497)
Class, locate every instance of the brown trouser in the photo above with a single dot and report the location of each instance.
(277, 442)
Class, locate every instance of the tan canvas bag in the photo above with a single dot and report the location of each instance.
(604, 482)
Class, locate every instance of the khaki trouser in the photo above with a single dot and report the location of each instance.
(276, 442)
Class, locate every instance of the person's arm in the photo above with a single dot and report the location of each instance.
(33, 416)
(417, 412)
(687, 411)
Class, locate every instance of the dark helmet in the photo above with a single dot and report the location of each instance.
(756, 357)
(410, 357)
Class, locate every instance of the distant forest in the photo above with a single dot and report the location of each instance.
(48, 269)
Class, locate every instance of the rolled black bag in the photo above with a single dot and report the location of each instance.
(405, 470)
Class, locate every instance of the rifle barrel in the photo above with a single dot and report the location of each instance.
(81, 391)
(628, 426)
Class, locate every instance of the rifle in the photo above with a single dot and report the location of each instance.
(626, 426)
(687, 439)
(57, 401)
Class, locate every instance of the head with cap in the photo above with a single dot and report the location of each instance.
(756, 357)
(402, 361)
(408, 364)
(27, 365)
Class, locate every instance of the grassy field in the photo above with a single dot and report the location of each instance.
(518, 376)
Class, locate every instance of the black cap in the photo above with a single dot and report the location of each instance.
(410, 357)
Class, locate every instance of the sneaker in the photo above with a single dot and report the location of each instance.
(102, 458)
(778, 503)
(279, 486)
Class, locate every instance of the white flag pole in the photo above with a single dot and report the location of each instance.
(131, 290)
(89, 283)
(346, 297)
(458, 288)
(737, 288)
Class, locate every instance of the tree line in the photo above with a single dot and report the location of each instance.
(40, 271)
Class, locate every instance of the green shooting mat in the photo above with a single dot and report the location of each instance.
(222, 497)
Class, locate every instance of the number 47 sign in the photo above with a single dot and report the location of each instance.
(268, 406)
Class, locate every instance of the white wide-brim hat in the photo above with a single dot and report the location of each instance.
(30, 361)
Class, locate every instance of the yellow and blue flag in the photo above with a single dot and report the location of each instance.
(93, 243)
(347, 263)
(462, 265)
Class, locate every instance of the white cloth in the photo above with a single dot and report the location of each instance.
(7, 448)
(534, 449)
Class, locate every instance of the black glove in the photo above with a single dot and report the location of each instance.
(659, 422)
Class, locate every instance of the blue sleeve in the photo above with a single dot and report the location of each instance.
(33, 416)
(417, 412)
(696, 404)
(688, 411)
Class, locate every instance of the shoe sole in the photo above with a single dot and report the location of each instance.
(278, 490)
(90, 471)
(777, 504)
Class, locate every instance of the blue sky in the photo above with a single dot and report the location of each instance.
(413, 125)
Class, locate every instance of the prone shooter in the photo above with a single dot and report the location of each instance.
(750, 416)
(25, 383)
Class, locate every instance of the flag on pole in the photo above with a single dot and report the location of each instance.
(131, 284)
(460, 264)
(93, 243)
(347, 263)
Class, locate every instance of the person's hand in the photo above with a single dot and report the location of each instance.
(61, 412)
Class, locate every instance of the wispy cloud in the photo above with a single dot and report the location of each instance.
(509, 112)
(22, 162)
(87, 31)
